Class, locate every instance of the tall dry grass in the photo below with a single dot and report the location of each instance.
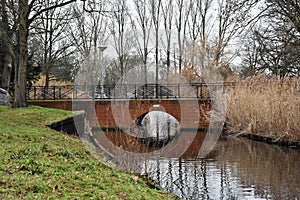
(265, 106)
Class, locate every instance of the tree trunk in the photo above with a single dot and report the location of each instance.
(168, 61)
(20, 72)
(6, 72)
(47, 81)
(7, 47)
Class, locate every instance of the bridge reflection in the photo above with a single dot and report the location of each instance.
(116, 142)
(237, 168)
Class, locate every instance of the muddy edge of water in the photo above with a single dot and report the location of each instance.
(273, 141)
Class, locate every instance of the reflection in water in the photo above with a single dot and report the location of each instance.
(237, 168)
(186, 144)
(243, 169)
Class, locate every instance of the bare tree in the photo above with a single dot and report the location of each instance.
(232, 22)
(27, 11)
(276, 41)
(123, 39)
(89, 33)
(277, 46)
(182, 12)
(155, 9)
(207, 31)
(50, 30)
(197, 26)
(168, 15)
(250, 61)
(90, 29)
(287, 8)
(144, 26)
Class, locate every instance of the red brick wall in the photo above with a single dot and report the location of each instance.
(190, 113)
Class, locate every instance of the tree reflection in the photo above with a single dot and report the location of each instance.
(242, 168)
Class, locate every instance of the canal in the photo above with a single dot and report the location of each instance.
(237, 168)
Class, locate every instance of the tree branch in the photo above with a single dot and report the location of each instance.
(56, 5)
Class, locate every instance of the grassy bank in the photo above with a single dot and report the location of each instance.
(37, 162)
(267, 107)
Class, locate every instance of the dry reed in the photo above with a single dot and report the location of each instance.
(265, 106)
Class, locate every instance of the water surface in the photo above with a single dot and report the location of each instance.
(238, 169)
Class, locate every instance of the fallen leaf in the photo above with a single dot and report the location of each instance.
(54, 189)
(122, 194)
(136, 178)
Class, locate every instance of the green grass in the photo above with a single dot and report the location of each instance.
(39, 163)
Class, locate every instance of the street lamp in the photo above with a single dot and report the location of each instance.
(101, 49)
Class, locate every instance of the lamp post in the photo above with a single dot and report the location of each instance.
(101, 49)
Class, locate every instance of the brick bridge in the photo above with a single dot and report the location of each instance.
(111, 113)
(104, 105)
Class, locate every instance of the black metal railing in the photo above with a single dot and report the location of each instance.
(147, 91)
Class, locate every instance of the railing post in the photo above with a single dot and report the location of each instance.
(197, 89)
(135, 91)
(93, 91)
(156, 90)
(160, 91)
(54, 92)
(178, 88)
(59, 93)
(44, 93)
(109, 92)
(28, 93)
(201, 90)
(34, 92)
(76, 94)
(114, 93)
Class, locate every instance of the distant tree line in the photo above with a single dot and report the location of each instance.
(53, 37)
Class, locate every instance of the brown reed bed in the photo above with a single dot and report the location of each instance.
(265, 106)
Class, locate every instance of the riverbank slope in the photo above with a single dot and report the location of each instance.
(37, 162)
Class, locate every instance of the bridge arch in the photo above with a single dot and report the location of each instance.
(140, 111)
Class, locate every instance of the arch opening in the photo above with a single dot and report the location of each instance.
(157, 128)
